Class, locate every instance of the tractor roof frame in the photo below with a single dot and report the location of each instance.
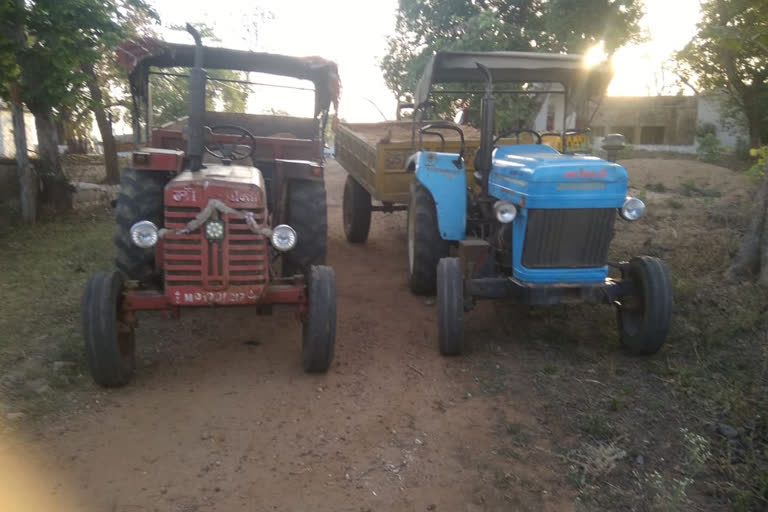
(137, 56)
(520, 67)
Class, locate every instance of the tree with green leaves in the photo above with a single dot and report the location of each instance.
(12, 25)
(53, 64)
(730, 53)
(169, 93)
(424, 27)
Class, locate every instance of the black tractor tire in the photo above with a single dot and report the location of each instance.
(450, 307)
(141, 198)
(645, 317)
(319, 329)
(425, 245)
(109, 343)
(308, 215)
(356, 209)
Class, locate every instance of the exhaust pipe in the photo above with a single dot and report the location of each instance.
(195, 126)
(488, 127)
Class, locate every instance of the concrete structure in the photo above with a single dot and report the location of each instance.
(662, 123)
(7, 147)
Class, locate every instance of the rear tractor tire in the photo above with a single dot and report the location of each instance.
(356, 208)
(644, 318)
(319, 330)
(109, 343)
(425, 245)
(141, 198)
(450, 307)
(308, 215)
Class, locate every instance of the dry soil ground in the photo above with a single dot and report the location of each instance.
(220, 416)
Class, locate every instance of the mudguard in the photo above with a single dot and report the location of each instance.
(445, 178)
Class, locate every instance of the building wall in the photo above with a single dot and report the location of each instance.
(7, 147)
(553, 105)
(654, 120)
(710, 111)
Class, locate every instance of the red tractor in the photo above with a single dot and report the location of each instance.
(238, 219)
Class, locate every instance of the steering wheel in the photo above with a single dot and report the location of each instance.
(230, 150)
(517, 133)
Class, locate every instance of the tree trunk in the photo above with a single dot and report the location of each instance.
(28, 184)
(56, 189)
(752, 259)
(754, 122)
(105, 127)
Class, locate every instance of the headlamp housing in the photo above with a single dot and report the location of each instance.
(144, 234)
(283, 237)
(632, 209)
(505, 211)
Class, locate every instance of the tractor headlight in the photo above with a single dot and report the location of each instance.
(144, 234)
(283, 237)
(214, 230)
(632, 209)
(505, 212)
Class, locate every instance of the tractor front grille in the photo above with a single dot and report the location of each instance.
(246, 252)
(183, 253)
(568, 238)
(239, 262)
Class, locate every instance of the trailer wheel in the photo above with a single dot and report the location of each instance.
(109, 343)
(141, 198)
(644, 317)
(308, 215)
(356, 208)
(425, 245)
(319, 331)
(450, 307)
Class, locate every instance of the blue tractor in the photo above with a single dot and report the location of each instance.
(536, 225)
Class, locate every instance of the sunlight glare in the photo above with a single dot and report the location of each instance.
(595, 55)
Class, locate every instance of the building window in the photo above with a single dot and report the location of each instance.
(597, 131)
(627, 131)
(652, 135)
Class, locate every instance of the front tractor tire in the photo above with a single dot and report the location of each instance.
(109, 343)
(319, 330)
(141, 198)
(356, 209)
(425, 245)
(307, 213)
(644, 318)
(450, 307)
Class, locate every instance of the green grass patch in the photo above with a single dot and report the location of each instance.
(45, 267)
(691, 189)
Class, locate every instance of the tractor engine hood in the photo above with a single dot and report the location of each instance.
(537, 176)
(237, 186)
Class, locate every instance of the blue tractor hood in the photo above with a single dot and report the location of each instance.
(537, 176)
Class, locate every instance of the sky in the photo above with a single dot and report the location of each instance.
(353, 33)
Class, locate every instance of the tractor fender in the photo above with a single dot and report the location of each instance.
(446, 181)
(300, 169)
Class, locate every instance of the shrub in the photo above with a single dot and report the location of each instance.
(708, 148)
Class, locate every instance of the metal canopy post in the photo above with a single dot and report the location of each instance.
(136, 114)
(565, 117)
(148, 115)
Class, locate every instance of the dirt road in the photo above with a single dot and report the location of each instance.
(221, 417)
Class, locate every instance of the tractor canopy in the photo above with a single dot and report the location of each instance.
(137, 56)
(570, 71)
